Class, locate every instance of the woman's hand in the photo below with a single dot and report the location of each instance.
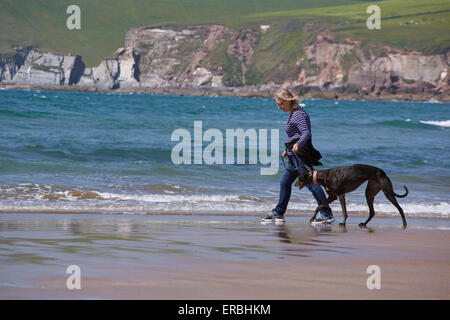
(284, 154)
(295, 148)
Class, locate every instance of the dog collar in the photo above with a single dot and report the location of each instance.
(315, 177)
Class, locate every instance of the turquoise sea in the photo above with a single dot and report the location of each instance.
(111, 153)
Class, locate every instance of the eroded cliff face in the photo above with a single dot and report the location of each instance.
(187, 57)
(345, 65)
(120, 71)
(48, 69)
(171, 57)
(214, 58)
(34, 68)
(11, 63)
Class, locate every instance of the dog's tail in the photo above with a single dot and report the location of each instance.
(404, 195)
(386, 185)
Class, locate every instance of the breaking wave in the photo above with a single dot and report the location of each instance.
(179, 198)
(445, 123)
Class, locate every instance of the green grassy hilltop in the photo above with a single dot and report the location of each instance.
(407, 24)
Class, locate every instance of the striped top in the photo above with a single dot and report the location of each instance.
(298, 125)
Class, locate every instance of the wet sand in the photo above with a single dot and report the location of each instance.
(220, 257)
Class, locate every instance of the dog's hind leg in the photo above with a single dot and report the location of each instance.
(344, 208)
(392, 199)
(390, 194)
(371, 191)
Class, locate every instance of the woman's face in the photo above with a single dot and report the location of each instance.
(284, 105)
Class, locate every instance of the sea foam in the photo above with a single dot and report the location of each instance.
(445, 123)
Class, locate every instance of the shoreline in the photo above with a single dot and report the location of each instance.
(239, 92)
(192, 257)
(352, 215)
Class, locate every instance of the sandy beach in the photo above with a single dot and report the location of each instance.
(142, 144)
(220, 257)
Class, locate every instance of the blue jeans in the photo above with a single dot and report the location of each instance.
(289, 177)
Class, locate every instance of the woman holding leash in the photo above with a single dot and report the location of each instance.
(301, 155)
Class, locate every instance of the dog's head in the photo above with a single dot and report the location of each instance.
(304, 179)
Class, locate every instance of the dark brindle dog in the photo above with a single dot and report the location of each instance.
(341, 180)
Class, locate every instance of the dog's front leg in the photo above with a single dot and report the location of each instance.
(330, 199)
(344, 209)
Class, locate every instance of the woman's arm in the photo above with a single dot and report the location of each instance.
(304, 127)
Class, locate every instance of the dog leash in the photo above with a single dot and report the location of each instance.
(295, 154)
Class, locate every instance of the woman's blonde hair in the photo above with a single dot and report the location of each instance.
(286, 95)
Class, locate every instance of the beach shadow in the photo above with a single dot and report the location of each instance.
(308, 240)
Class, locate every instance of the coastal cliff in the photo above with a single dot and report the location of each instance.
(213, 59)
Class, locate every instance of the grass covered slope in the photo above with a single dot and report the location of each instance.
(42, 23)
(407, 24)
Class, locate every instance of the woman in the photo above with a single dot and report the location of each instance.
(298, 130)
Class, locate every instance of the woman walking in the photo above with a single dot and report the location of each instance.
(298, 130)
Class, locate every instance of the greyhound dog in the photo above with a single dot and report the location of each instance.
(341, 180)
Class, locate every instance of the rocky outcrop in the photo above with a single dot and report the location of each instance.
(172, 57)
(49, 69)
(121, 71)
(345, 66)
(33, 68)
(102, 77)
(400, 72)
(216, 59)
(11, 63)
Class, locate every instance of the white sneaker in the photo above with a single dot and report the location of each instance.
(323, 220)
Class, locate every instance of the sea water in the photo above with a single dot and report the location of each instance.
(111, 152)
